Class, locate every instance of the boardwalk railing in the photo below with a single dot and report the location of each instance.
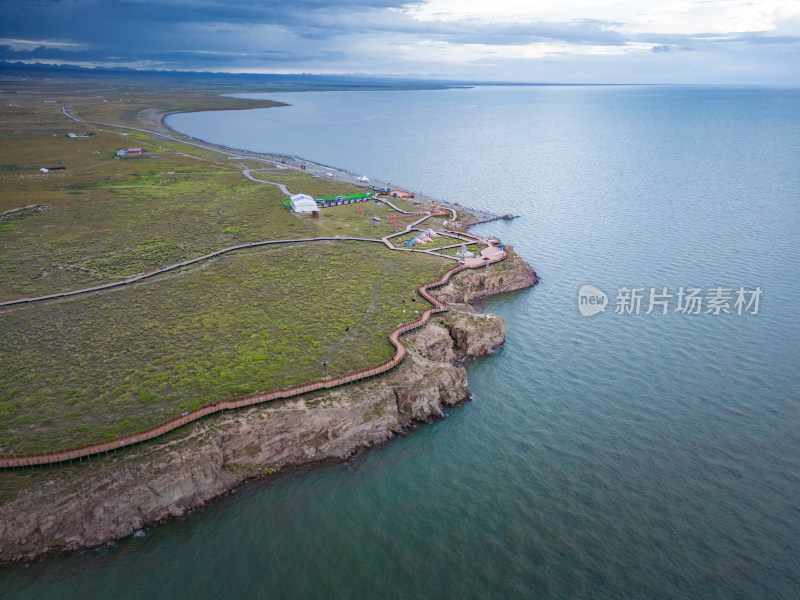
(13, 461)
(409, 216)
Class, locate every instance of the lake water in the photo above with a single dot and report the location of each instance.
(612, 456)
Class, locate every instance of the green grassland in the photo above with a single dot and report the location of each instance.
(109, 218)
(129, 105)
(97, 366)
(92, 367)
(345, 220)
(294, 178)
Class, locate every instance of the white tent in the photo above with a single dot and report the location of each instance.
(464, 253)
(303, 203)
(363, 178)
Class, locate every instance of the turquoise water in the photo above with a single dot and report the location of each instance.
(613, 456)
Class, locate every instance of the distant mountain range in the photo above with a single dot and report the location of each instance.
(15, 70)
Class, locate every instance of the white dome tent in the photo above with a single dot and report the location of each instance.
(303, 203)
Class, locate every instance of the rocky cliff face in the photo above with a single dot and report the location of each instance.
(475, 334)
(500, 278)
(83, 506)
(86, 505)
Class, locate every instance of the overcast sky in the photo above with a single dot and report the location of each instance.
(578, 41)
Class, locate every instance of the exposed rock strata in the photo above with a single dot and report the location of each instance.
(52, 510)
(507, 276)
(475, 334)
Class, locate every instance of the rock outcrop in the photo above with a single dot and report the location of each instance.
(44, 511)
(475, 334)
(459, 334)
(500, 278)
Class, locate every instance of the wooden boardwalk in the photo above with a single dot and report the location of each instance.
(13, 461)
(40, 459)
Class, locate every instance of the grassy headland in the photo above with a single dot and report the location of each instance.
(97, 366)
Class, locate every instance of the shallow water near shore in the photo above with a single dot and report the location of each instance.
(612, 456)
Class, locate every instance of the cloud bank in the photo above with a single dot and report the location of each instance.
(575, 41)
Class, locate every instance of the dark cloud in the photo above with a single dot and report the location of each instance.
(663, 48)
(161, 30)
(10, 54)
(189, 33)
(303, 35)
(217, 60)
(109, 23)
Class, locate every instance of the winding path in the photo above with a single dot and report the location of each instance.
(280, 186)
(185, 263)
(13, 461)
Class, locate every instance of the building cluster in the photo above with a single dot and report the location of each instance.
(303, 203)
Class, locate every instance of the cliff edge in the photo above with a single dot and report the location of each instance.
(52, 510)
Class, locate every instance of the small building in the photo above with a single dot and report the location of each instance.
(303, 203)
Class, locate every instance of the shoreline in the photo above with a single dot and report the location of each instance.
(79, 507)
(288, 161)
(60, 455)
(169, 478)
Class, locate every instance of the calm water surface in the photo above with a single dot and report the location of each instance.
(616, 456)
